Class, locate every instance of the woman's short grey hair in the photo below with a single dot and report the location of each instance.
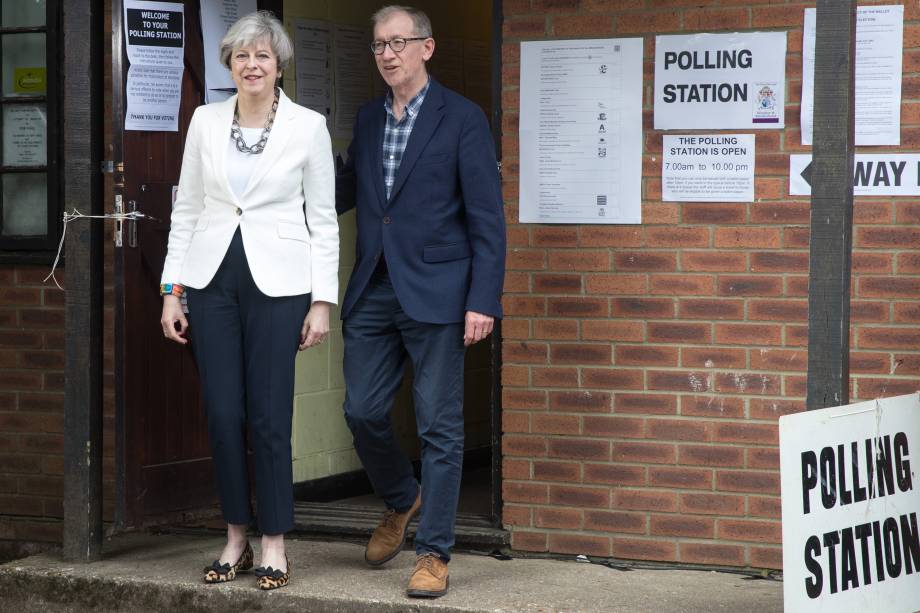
(261, 25)
(420, 21)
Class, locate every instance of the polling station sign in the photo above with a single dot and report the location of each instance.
(850, 501)
(720, 81)
(707, 168)
(874, 174)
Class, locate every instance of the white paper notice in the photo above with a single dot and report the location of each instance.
(25, 135)
(879, 34)
(720, 81)
(155, 34)
(581, 131)
(312, 61)
(708, 168)
(352, 61)
(216, 18)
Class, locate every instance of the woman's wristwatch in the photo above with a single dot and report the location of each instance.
(171, 289)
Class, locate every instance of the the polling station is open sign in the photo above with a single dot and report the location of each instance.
(851, 500)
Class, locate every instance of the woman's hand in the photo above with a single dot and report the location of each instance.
(172, 313)
(315, 325)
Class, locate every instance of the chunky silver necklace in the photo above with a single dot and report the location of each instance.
(237, 134)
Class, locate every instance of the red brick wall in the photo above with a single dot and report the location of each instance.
(645, 366)
(31, 404)
(32, 389)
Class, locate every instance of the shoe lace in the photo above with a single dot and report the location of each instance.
(426, 561)
(389, 520)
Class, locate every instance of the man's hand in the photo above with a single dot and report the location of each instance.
(478, 327)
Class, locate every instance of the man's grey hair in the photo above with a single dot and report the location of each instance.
(261, 25)
(420, 21)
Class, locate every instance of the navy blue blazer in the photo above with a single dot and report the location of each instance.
(442, 231)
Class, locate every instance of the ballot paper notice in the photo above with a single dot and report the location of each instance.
(581, 131)
(879, 34)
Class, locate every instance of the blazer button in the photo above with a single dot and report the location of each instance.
(239, 211)
(386, 221)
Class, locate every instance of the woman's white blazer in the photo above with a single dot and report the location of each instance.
(286, 215)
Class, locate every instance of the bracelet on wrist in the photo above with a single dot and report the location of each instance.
(171, 289)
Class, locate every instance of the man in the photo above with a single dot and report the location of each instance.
(427, 282)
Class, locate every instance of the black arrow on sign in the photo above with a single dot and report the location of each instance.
(806, 174)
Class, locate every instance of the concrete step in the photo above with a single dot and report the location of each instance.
(472, 531)
(141, 573)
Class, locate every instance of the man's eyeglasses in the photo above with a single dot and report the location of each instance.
(396, 44)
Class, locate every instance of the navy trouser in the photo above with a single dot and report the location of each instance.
(379, 337)
(245, 343)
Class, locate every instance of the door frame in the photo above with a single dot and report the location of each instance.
(119, 70)
(496, 339)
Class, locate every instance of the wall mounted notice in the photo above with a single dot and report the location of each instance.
(581, 131)
(216, 18)
(352, 76)
(155, 37)
(851, 500)
(25, 135)
(708, 168)
(720, 81)
(879, 34)
(878, 174)
(312, 65)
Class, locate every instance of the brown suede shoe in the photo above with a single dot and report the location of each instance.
(390, 536)
(429, 580)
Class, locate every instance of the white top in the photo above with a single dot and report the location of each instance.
(239, 164)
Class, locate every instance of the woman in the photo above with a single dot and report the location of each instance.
(254, 246)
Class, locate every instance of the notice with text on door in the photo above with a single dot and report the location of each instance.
(581, 131)
(155, 46)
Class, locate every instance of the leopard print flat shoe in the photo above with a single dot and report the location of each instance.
(221, 573)
(272, 579)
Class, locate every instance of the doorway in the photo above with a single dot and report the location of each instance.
(164, 472)
(337, 74)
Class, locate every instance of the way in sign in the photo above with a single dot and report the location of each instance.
(865, 176)
(873, 173)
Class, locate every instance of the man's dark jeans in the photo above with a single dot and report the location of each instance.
(379, 337)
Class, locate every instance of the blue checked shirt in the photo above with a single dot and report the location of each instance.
(396, 135)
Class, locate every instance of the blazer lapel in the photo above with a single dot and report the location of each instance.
(379, 127)
(277, 140)
(426, 123)
(219, 142)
